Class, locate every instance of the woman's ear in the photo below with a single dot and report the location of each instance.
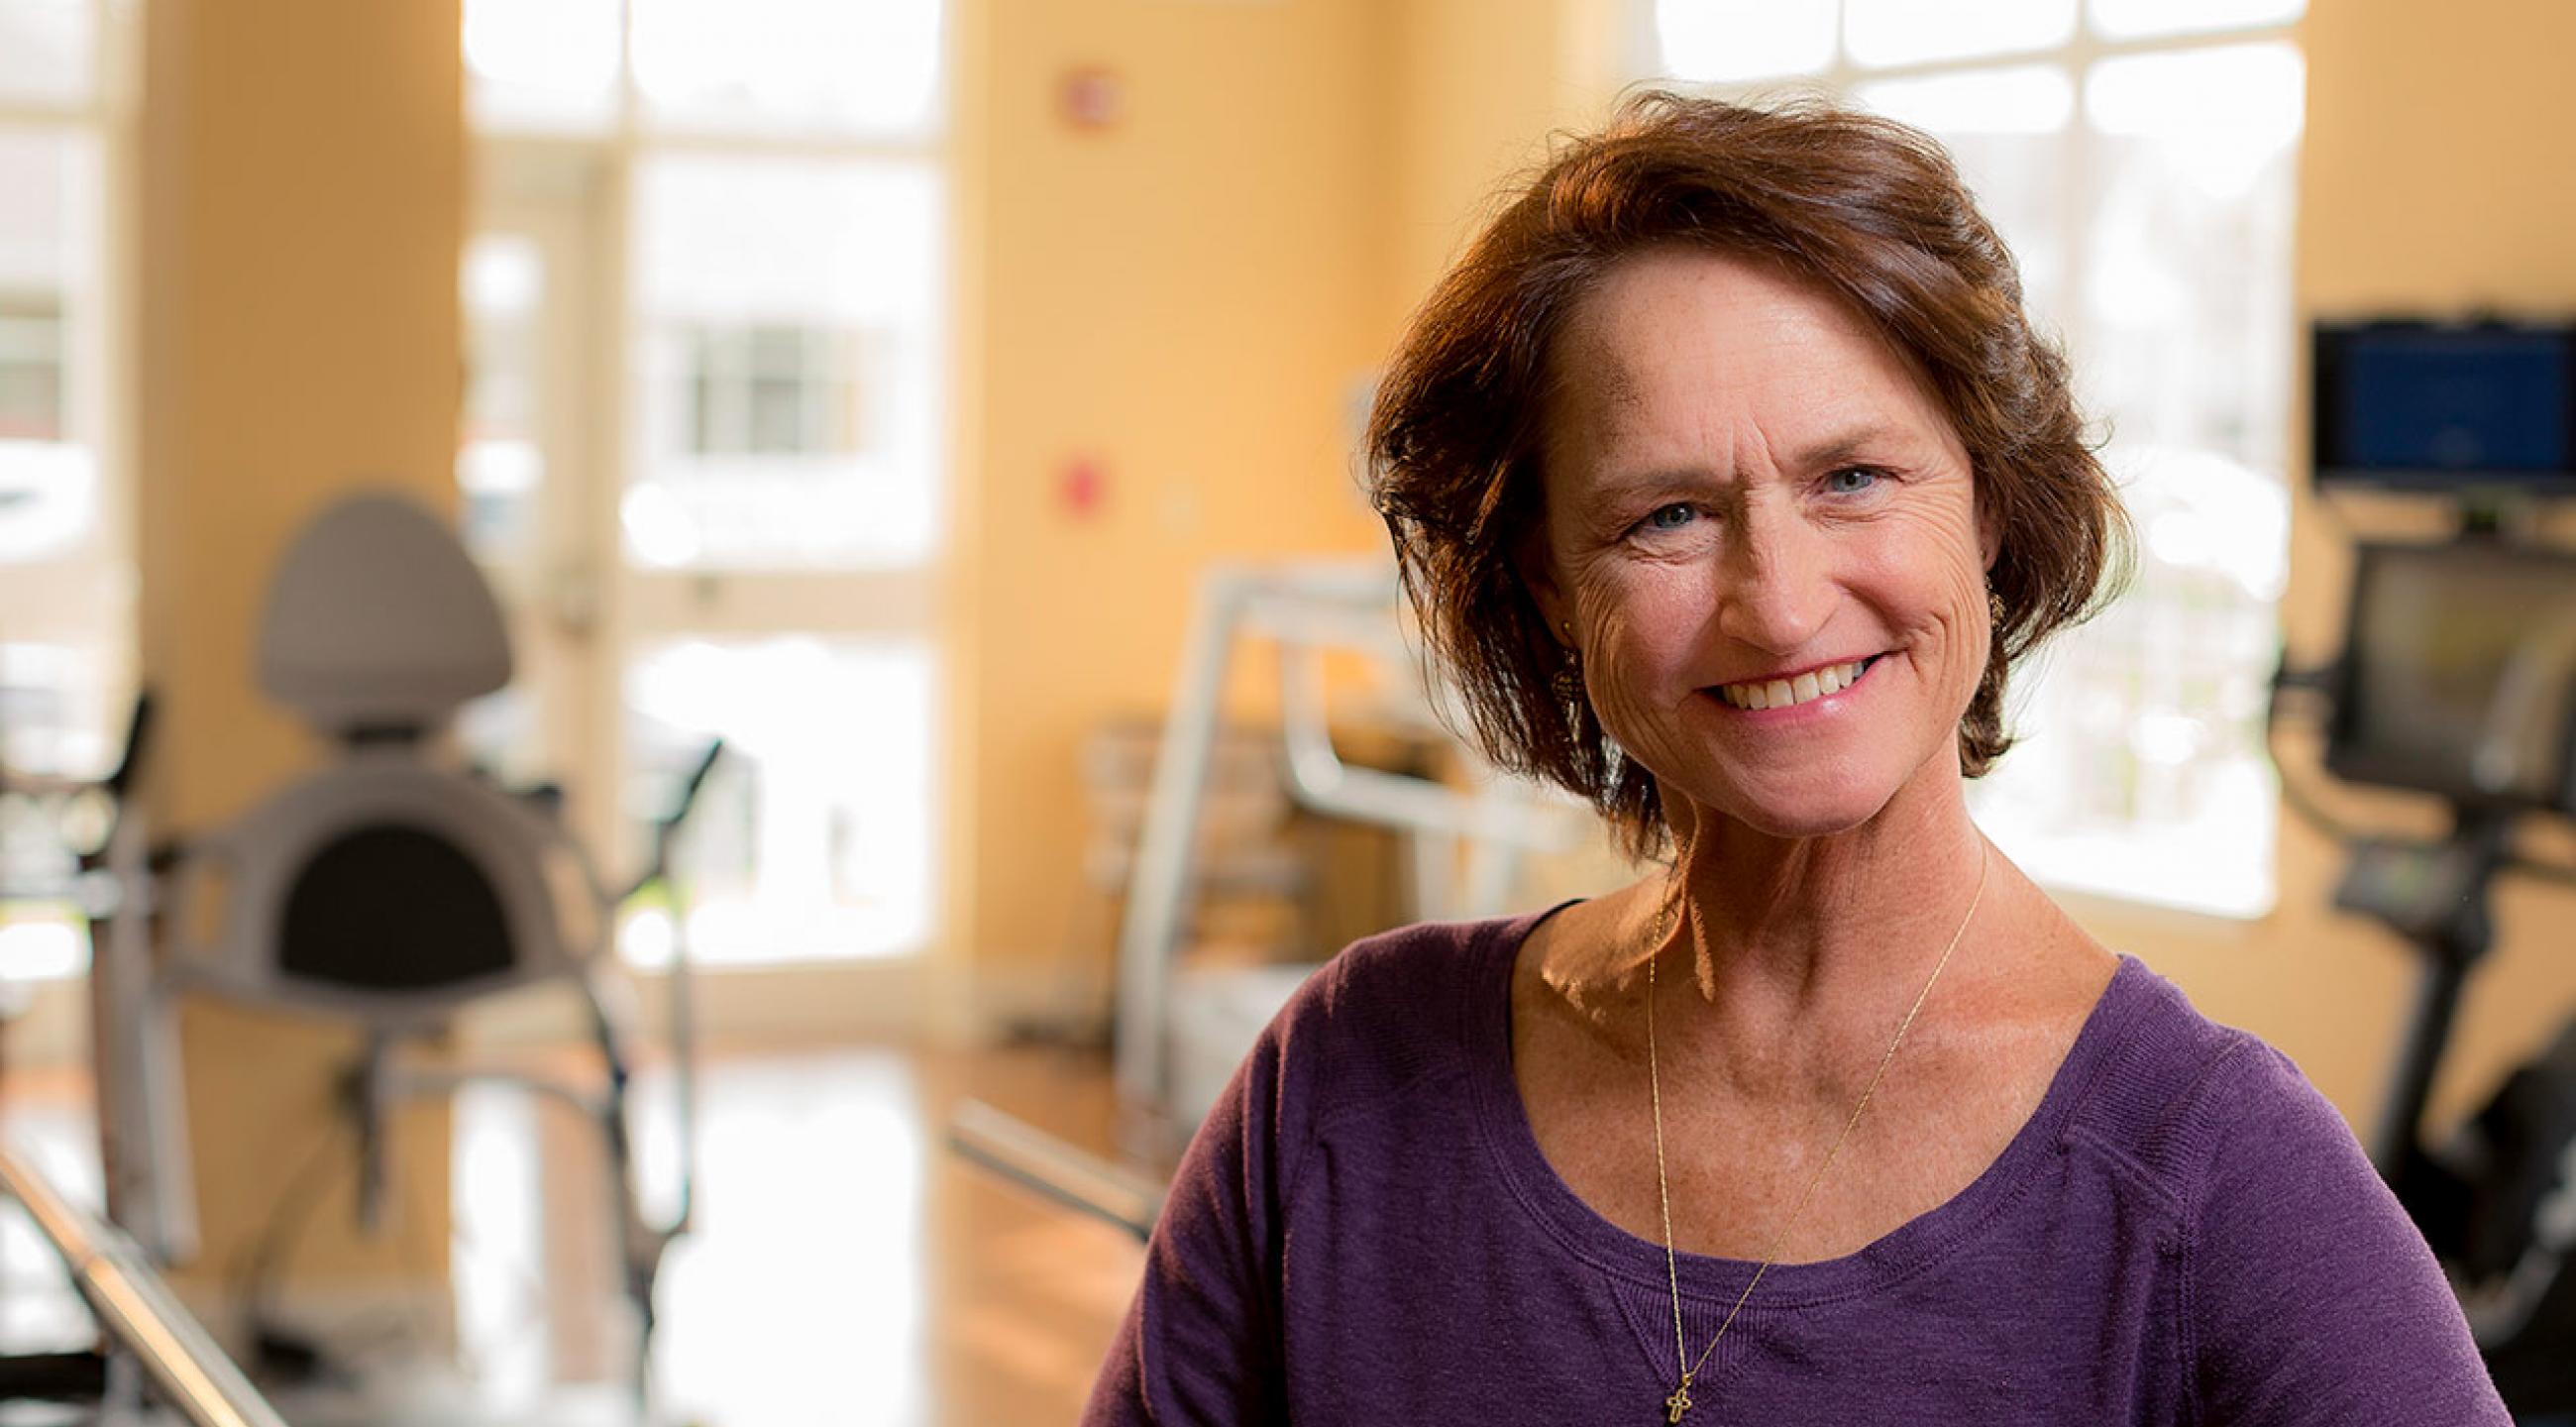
(1537, 569)
(1990, 533)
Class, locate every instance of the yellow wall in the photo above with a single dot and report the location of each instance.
(1481, 84)
(1182, 298)
(299, 210)
(1188, 298)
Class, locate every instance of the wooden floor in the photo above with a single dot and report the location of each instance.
(907, 1286)
(847, 1267)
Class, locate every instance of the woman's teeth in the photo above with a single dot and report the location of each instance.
(1784, 693)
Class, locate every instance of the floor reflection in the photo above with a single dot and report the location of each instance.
(845, 1267)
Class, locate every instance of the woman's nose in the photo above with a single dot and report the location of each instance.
(1775, 588)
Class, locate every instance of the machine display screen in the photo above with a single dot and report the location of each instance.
(2433, 407)
(2460, 673)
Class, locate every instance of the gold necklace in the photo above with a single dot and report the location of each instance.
(1680, 1401)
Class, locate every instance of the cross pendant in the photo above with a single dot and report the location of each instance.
(1677, 1404)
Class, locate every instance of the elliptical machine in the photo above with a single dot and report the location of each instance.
(2496, 1199)
(2458, 679)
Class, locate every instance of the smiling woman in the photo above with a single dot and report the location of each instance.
(1746, 493)
(1729, 480)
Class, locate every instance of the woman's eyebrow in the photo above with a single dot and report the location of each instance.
(1656, 481)
(1842, 446)
(1872, 437)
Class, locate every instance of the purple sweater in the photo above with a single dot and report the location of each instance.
(1365, 1232)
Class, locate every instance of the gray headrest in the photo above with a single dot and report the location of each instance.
(378, 618)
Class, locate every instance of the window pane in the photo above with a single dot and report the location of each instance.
(845, 66)
(64, 703)
(31, 367)
(2187, 339)
(790, 381)
(50, 330)
(48, 51)
(818, 844)
(2132, 19)
(542, 64)
(1714, 41)
(502, 462)
(2144, 774)
(2253, 94)
(1885, 32)
(2007, 129)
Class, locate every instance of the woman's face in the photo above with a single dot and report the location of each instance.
(1750, 498)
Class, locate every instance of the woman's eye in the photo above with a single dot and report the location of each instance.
(1671, 517)
(1851, 480)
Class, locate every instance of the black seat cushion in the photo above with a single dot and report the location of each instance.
(393, 908)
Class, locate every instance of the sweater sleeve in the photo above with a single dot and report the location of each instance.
(1200, 1343)
(2311, 1297)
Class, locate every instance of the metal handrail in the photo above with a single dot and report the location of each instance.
(1037, 1160)
(138, 1312)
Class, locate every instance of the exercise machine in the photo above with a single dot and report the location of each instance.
(1180, 1031)
(2457, 681)
(391, 889)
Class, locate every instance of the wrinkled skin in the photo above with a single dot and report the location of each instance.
(1743, 480)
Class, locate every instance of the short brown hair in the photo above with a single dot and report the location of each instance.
(1871, 211)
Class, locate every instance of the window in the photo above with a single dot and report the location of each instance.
(705, 440)
(66, 661)
(792, 331)
(2139, 156)
(764, 390)
(31, 367)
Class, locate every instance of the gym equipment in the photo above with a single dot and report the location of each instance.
(1181, 1031)
(2459, 674)
(2445, 408)
(150, 1333)
(388, 889)
(2457, 679)
(104, 872)
(148, 1341)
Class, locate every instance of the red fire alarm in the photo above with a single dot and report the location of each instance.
(1082, 485)
(1091, 96)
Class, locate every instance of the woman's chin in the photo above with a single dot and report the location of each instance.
(1808, 821)
(1813, 808)
(1813, 797)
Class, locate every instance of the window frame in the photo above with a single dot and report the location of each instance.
(865, 602)
(78, 597)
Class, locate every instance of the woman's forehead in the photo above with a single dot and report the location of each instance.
(1687, 347)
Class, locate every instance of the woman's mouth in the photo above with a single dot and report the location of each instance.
(1757, 695)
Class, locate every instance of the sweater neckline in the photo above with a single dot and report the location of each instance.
(1503, 1123)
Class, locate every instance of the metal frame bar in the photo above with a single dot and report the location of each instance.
(1036, 1160)
(1304, 608)
(138, 1312)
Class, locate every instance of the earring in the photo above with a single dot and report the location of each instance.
(1568, 679)
(1994, 606)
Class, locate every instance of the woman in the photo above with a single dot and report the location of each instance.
(1729, 479)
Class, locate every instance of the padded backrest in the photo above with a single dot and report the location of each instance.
(378, 619)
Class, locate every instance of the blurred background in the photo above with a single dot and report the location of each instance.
(895, 390)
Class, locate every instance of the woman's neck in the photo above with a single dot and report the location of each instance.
(1790, 919)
